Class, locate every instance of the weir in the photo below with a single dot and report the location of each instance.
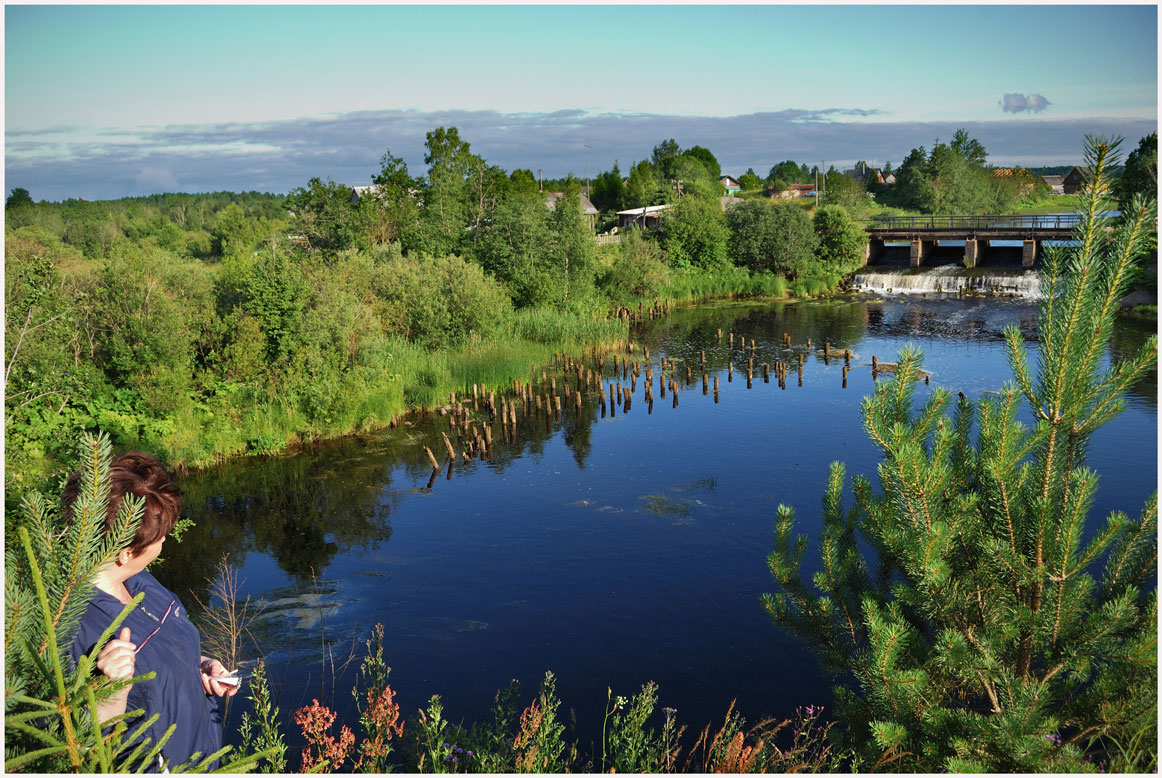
(948, 279)
(923, 234)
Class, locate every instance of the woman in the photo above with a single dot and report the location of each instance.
(157, 635)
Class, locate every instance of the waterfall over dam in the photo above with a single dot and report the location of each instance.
(948, 279)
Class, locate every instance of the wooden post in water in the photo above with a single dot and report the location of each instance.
(719, 334)
(688, 380)
(731, 340)
(704, 385)
(448, 445)
(766, 372)
(432, 459)
(729, 372)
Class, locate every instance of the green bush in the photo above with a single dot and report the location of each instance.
(842, 242)
(440, 301)
(694, 235)
(772, 236)
(638, 271)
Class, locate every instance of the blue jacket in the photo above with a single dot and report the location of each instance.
(170, 646)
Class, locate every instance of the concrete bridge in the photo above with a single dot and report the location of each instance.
(924, 233)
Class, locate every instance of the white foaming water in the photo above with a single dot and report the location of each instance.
(948, 279)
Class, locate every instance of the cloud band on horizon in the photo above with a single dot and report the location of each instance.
(276, 156)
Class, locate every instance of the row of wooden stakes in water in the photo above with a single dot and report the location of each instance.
(657, 310)
(477, 442)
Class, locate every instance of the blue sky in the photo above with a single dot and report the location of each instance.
(106, 101)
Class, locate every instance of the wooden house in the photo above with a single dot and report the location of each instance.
(730, 184)
(1056, 184)
(587, 207)
(1074, 180)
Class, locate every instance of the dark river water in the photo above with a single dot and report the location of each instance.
(611, 550)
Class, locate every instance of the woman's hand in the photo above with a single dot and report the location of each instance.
(117, 658)
(210, 669)
(115, 661)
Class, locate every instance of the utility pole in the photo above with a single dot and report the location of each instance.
(587, 189)
(540, 181)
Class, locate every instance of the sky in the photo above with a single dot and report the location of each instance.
(111, 101)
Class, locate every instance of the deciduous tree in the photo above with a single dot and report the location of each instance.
(772, 236)
(842, 242)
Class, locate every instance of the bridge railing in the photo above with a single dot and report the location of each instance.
(976, 222)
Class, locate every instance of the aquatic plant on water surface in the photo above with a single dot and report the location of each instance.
(990, 628)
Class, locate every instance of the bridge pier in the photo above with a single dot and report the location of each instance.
(873, 251)
(974, 249)
(919, 252)
(1029, 253)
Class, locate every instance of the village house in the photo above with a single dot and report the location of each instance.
(587, 207)
(1056, 184)
(1074, 180)
(359, 192)
(869, 175)
(795, 190)
(730, 184)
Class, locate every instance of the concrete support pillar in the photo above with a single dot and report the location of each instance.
(920, 250)
(1029, 254)
(875, 249)
(973, 251)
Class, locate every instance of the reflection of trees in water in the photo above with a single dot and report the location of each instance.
(1130, 332)
(689, 331)
(302, 510)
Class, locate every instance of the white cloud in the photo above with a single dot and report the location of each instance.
(1015, 102)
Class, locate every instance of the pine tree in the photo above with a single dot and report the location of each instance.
(982, 633)
(48, 582)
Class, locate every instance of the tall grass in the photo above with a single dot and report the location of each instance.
(695, 286)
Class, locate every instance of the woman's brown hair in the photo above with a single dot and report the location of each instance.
(141, 475)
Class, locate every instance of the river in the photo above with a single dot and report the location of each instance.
(610, 549)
